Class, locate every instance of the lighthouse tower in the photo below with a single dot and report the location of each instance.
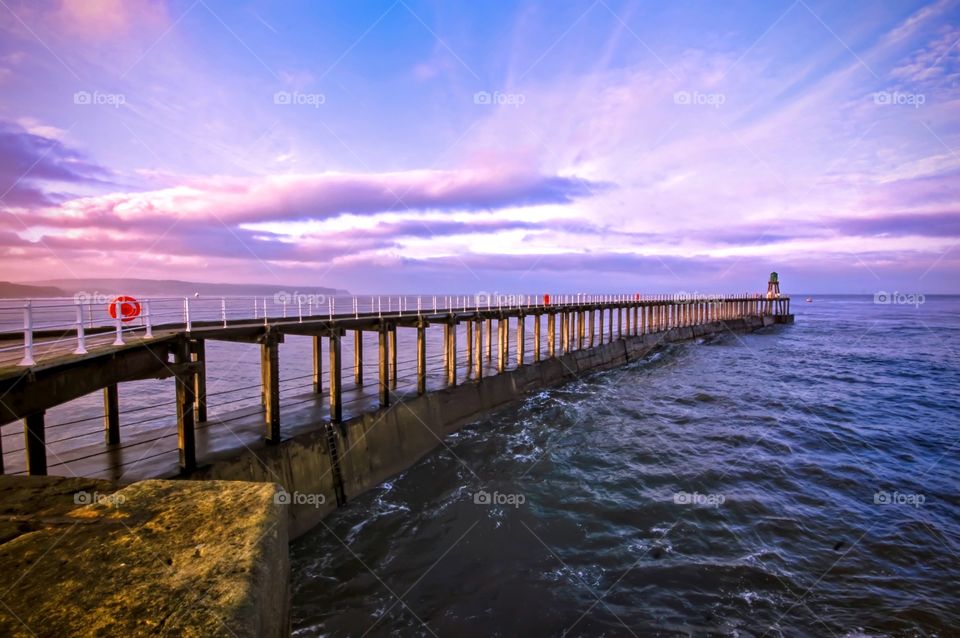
(773, 286)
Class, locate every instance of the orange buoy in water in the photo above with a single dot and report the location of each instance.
(546, 300)
(129, 308)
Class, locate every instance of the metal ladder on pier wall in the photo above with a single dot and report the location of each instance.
(341, 495)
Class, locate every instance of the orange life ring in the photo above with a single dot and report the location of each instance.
(129, 308)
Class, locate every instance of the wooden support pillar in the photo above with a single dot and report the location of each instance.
(600, 320)
(317, 363)
(200, 379)
(36, 447)
(186, 432)
(452, 352)
(421, 358)
(501, 357)
(111, 414)
(270, 369)
(611, 325)
(478, 361)
(551, 334)
(358, 357)
(469, 348)
(536, 337)
(393, 357)
(591, 326)
(446, 352)
(563, 332)
(489, 339)
(619, 322)
(628, 320)
(581, 328)
(383, 388)
(521, 337)
(572, 324)
(336, 399)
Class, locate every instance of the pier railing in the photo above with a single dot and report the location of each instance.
(44, 328)
(65, 352)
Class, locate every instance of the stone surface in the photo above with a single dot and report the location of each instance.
(177, 558)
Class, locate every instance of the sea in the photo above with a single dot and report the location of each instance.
(801, 480)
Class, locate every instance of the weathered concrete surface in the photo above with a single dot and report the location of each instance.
(373, 447)
(177, 558)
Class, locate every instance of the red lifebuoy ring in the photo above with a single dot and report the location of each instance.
(546, 300)
(129, 308)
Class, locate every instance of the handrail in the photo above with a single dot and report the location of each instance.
(56, 318)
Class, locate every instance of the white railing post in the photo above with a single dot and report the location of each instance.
(81, 340)
(419, 306)
(223, 311)
(186, 314)
(284, 302)
(27, 335)
(118, 322)
(265, 320)
(148, 319)
(300, 308)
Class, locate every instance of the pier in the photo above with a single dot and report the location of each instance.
(359, 360)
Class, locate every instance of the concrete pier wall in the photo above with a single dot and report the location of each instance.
(363, 452)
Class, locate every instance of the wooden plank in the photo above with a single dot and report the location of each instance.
(111, 414)
(36, 448)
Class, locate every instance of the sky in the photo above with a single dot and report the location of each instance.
(416, 147)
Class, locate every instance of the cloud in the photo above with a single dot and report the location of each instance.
(28, 160)
(291, 198)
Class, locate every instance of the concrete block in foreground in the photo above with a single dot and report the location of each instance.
(83, 557)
